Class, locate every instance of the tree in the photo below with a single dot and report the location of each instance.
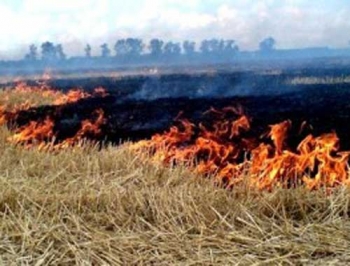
(32, 54)
(213, 46)
(121, 48)
(156, 47)
(172, 49)
(189, 47)
(87, 50)
(267, 45)
(136, 46)
(48, 51)
(59, 52)
(219, 49)
(230, 47)
(105, 51)
(129, 47)
(205, 47)
(217, 46)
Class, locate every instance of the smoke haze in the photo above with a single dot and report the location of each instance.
(293, 23)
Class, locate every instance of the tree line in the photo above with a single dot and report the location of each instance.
(135, 48)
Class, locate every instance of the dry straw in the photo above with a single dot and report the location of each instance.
(84, 206)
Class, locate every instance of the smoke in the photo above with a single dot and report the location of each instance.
(212, 86)
(75, 23)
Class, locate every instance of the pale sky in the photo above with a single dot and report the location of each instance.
(293, 23)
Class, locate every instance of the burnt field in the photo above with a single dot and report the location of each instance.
(203, 182)
(140, 106)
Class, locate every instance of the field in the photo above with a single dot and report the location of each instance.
(89, 204)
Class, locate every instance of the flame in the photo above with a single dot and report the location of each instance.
(3, 117)
(225, 147)
(23, 97)
(88, 128)
(40, 133)
(71, 96)
(43, 136)
(34, 132)
(278, 134)
(227, 153)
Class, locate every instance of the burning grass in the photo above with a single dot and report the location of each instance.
(229, 151)
(86, 205)
(89, 206)
(225, 145)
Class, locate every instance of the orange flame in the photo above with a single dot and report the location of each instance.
(88, 127)
(223, 152)
(53, 97)
(225, 149)
(35, 132)
(71, 96)
(42, 133)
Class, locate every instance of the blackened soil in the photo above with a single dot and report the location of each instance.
(325, 108)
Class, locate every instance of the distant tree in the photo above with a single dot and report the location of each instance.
(105, 51)
(121, 48)
(87, 50)
(221, 45)
(136, 46)
(129, 47)
(32, 54)
(205, 47)
(172, 49)
(189, 47)
(48, 51)
(267, 45)
(219, 49)
(59, 52)
(212, 46)
(156, 47)
(230, 47)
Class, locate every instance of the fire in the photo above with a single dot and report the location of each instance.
(35, 132)
(225, 146)
(71, 97)
(23, 97)
(40, 133)
(3, 118)
(88, 128)
(226, 152)
(278, 134)
(58, 97)
(43, 134)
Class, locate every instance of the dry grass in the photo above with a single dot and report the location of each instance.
(12, 98)
(86, 206)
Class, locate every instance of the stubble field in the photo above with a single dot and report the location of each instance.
(88, 205)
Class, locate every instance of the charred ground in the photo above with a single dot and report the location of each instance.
(140, 106)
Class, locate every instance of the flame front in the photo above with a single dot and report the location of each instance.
(35, 132)
(42, 133)
(24, 97)
(231, 156)
(228, 148)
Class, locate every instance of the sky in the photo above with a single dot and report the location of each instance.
(74, 23)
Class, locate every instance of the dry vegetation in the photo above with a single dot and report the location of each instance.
(302, 80)
(87, 206)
